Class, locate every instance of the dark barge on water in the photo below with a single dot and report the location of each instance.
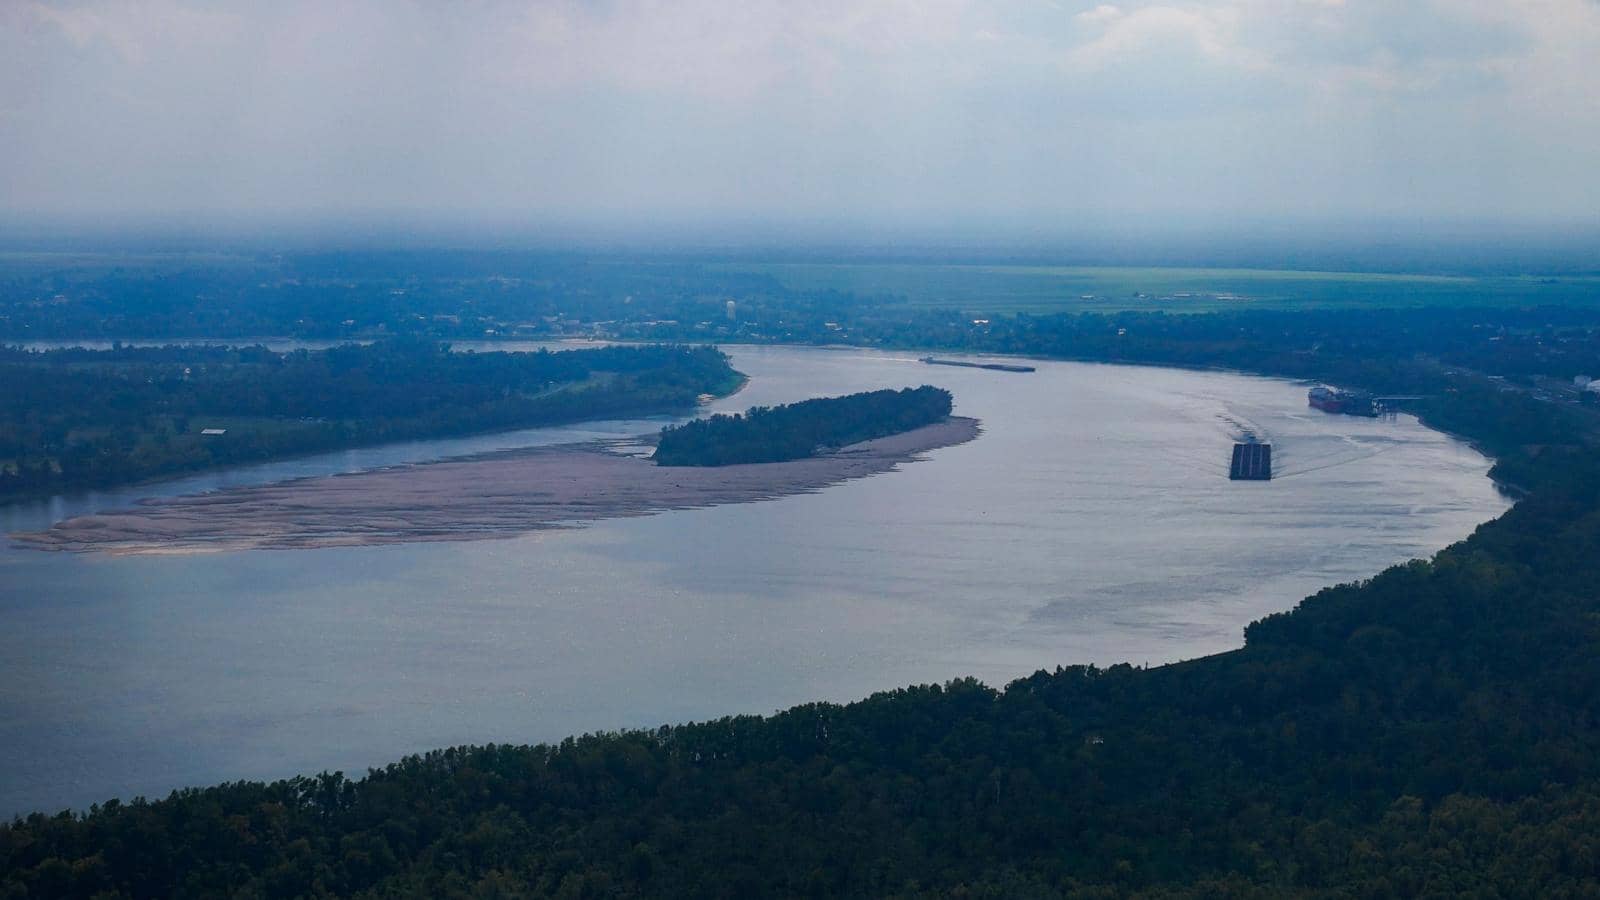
(996, 367)
(1251, 462)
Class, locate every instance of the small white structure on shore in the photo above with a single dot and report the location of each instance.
(213, 431)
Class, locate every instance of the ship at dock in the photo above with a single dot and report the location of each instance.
(993, 367)
(1349, 403)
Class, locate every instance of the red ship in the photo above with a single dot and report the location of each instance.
(1350, 404)
(1326, 399)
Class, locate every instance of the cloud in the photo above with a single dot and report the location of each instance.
(132, 29)
(768, 108)
(1100, 15)
(1164, 31)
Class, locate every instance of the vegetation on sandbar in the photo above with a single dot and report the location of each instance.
(798, 430)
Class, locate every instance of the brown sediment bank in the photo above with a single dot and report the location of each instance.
(494, 496)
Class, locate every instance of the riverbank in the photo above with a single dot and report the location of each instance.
(498, 495)
(80, 419)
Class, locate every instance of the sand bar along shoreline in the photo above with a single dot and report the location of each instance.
(497, 495)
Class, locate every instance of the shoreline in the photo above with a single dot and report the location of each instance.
(492, 496)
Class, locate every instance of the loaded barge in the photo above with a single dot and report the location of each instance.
(1251, 462)
(996, 367)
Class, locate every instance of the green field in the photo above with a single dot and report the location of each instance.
(1044, 289)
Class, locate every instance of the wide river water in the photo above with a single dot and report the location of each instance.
(1093, 521)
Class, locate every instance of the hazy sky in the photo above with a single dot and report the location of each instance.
(941, 110)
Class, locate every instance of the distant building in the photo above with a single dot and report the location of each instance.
(213, 431)
(733, 310)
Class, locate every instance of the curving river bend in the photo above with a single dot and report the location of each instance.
(1093, 521)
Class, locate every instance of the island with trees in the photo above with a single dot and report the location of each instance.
(74, 419)
(799, 430)
(509, 493)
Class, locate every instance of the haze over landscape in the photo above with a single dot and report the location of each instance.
(949, 117)
(898, 449)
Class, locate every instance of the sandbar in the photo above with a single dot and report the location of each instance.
(498, 495)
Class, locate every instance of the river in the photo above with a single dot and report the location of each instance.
(1093, 521)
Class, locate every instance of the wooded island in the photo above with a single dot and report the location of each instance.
(799, 430)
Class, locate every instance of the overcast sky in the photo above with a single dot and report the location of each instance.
(748, 110)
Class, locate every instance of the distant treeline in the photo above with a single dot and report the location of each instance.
(473, 294)
(442, 294)
(798, 430)
(73, 419)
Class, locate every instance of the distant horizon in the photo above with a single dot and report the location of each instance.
(1390, 245)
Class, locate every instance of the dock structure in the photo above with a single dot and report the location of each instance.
(1251, 462)
(1391, 404)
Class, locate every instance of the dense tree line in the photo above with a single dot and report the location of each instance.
(1556, 341)
(798, 430)
(72, 419)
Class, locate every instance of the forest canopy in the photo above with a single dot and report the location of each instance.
(798, 430)
(78, 418)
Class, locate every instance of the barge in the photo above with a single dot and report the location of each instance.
(1251, 462)
(994, 367)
